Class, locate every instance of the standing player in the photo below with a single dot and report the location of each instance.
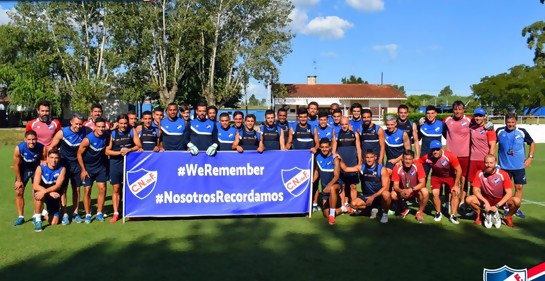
(323, 129)
(226, 133)
(336, 117)
(238, 118)
(409, 182)
(26, 157)
(283, 124)
(371, 135)
(212, 112)
(201, 133)
(172, 130)
(328, 171)
(348, 146)
(250, 139)
(430, 129)
(44, 126)
(375, 184)
(133, 119)
(158, 115)
(301, 133)
(149, 135)
(93, 161)
(47, 187)
(445, 169)
(492, 189)
(273, 135)
(68, 141)
(313, 114)
(396, 141)
(409, 127)
(511, 152)
(356, 110)
(332, 108)
(185, 111)
(96, 112)
(123, 141)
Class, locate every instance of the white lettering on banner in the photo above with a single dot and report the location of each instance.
(143, 182)
(169, 197)
(298, 180)
(209, 170)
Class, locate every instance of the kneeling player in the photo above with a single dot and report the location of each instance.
(48, 180)
(492, 188)
(328, 171)
(375, 184)
(409, 183)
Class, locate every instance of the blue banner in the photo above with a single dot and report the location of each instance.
(176, 183)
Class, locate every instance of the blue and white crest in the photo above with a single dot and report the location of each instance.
(504, 273)
(296, 180)
(141, 182)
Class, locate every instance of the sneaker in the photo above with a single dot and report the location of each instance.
(419, 217)
(331, 220)
(384, 218)
(38, 226)
(438, 216)
(65, 220)
(19, 221)
(404, 213)
(87, 219)
(315, 208)
(520, 214)
(488, 220)
(496, 220)
(100, 217)
(374, 213)
(508, 221)
(462, 208)
(114, 218)
(470, 213)
(76, 218)
(454, 219)
(505, 210)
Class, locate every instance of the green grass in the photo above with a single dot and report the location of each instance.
(272, 248)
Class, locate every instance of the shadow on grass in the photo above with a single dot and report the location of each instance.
(289, 249)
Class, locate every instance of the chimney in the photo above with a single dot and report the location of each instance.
(311, 80)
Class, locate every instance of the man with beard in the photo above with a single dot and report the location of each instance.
(313, 114)
(283, 124)
(172, 130)
(273, 135)
(201, 133)
(348, 146)
(371, 136)
(96, 112)
(44, 126)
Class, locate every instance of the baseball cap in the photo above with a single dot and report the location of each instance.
(435, 144)
(479, 111)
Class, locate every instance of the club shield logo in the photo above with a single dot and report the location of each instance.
(296, 180)
(505, 273)
(141, 182)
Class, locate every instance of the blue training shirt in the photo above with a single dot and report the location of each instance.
(429, 132)
(30, 158)
(511, 149)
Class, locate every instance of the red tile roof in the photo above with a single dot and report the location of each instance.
(351, 91)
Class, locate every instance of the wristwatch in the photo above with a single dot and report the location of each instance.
(497, 206)
(530, 156)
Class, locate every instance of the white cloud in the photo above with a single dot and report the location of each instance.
(330, 27)
(366, 5)
(299, 20)
(4, 19)
(305, 3)
(390, 48)
(329, 54)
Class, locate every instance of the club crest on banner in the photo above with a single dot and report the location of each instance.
(296, 180)
(141, 182)
(505, 273)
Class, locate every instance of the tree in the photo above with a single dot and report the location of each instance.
(401, 89)
(353, 80)
(413, 102)
(446, 92)
(535, 40)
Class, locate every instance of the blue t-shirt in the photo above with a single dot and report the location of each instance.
(226, 138)
(394, 143)
(50, 176)
(429, 132)
(511, 152)
(70, 143)
(172, 133)
(94, 158)
(326, 168)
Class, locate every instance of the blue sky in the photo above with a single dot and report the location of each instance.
(423, 45)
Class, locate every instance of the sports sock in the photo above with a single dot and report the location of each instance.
(332, 212)
(38, 217)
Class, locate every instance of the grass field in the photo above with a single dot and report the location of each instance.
(273, 248)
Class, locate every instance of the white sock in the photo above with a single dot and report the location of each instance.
(65, 215)
(22, 217)
(99, 213)
(116, 213)
(331, 212)
(343, 208)
(38, 217)
(314, 204)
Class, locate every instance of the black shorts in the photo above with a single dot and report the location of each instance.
(52, 205)
(27, 175)
(73, 174)
(116, 172)
(518, 176)
(100, 176)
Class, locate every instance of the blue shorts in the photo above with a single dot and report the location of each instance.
(518, 176)
(351, 178)
(98, 176)
(27, 175)
(376, 203)
(116, 173)
(325, 196)
(73, 174)
(389, 165)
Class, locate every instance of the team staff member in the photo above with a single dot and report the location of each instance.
(483, 142)
(26, 157)
(328, 172)
(68, 141)
(511, 152)
(47, 187)
(409, 182)
(122, 141)
(201, 133)
(96, 112)
(492, 188)
(375, 184)
(348, 146)
(93, 161)
(250, 139)
(172, 130)
(44, 126)
(445, 169)
(409, 127)
(226, 133)
(371, 136)
(396, 141)
(148, 135)
(273, 136)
